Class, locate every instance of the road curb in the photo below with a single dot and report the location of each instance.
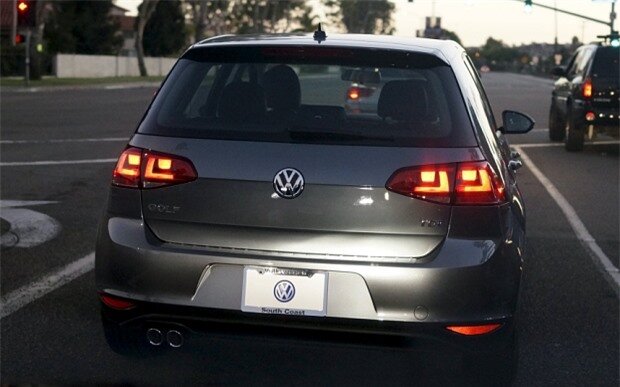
(108, 86)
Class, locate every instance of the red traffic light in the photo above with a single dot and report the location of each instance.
(19, 39)
(26, 10)
(22, 6)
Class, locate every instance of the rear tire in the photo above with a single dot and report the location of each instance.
(575, 133)
(557, 129)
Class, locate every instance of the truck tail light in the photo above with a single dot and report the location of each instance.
(587, 88)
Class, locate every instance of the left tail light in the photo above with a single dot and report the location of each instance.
(139, 168)
(587, 89)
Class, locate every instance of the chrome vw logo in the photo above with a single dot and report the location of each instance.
(284, 291)
(288, 183)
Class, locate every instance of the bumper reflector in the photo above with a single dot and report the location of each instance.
(115, 302)
(473, 330)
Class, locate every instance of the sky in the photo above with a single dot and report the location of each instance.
(475, 20)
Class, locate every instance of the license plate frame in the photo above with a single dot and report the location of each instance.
(308, 288)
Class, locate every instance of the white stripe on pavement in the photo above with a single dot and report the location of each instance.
(23, 296)
(60, 162)
(63, 140)
(583, 235)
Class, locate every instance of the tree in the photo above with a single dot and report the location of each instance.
(214, 17)
(365, 17)
(208, 12)
(82, 27)
(145, 11)
(451, 35)
(165, 33)
(496, 50)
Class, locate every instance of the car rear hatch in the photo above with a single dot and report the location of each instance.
(344, 209)
(605, 78)
(207, 113)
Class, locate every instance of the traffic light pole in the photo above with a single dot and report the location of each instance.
(610, 23)
(27, 57)
(14, 23)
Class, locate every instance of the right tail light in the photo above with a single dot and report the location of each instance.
(471, 183)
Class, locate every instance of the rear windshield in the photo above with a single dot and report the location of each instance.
(606, 63)
(320, 95)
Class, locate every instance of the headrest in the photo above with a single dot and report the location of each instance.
(403, 100)
(241, 101)
(282, 90)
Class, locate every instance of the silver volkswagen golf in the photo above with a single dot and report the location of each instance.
(249, 194)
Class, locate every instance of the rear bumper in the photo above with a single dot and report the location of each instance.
(603, 116)
(195, 322)
(467, 282)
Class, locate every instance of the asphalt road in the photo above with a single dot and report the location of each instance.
(569, 314)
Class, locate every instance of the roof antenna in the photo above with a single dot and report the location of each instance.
(319, 34)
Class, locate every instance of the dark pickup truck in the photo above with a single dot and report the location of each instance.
(585, 98)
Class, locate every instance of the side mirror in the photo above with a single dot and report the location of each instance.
(558, 71)
(516, 123)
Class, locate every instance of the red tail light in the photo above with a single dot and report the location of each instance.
(127, 171)
(432, 182)
(472, 330)
(116, 302)
(138, 168)
(354, 93)
(587, 89)
(472, 184)
(476, 183)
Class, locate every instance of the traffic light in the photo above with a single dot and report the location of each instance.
(614, 39)
(528, 3)
(19, 39)
(26, 13)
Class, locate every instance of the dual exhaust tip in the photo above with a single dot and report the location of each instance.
(156, 337)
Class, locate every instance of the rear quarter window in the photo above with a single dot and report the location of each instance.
(606, 63)
(312, 95)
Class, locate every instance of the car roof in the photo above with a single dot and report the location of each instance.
(444, 49)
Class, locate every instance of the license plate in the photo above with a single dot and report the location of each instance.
(284, 291)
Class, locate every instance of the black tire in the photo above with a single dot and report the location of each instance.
(496, 367)
(557, 129)
(125, 341)
(575, 133)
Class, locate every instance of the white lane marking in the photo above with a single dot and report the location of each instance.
(28, 228)
(575, 222)
(53, 162)
(64, 140)
(540, 130)
(23, 296)
(23, 203)
(559, 144)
